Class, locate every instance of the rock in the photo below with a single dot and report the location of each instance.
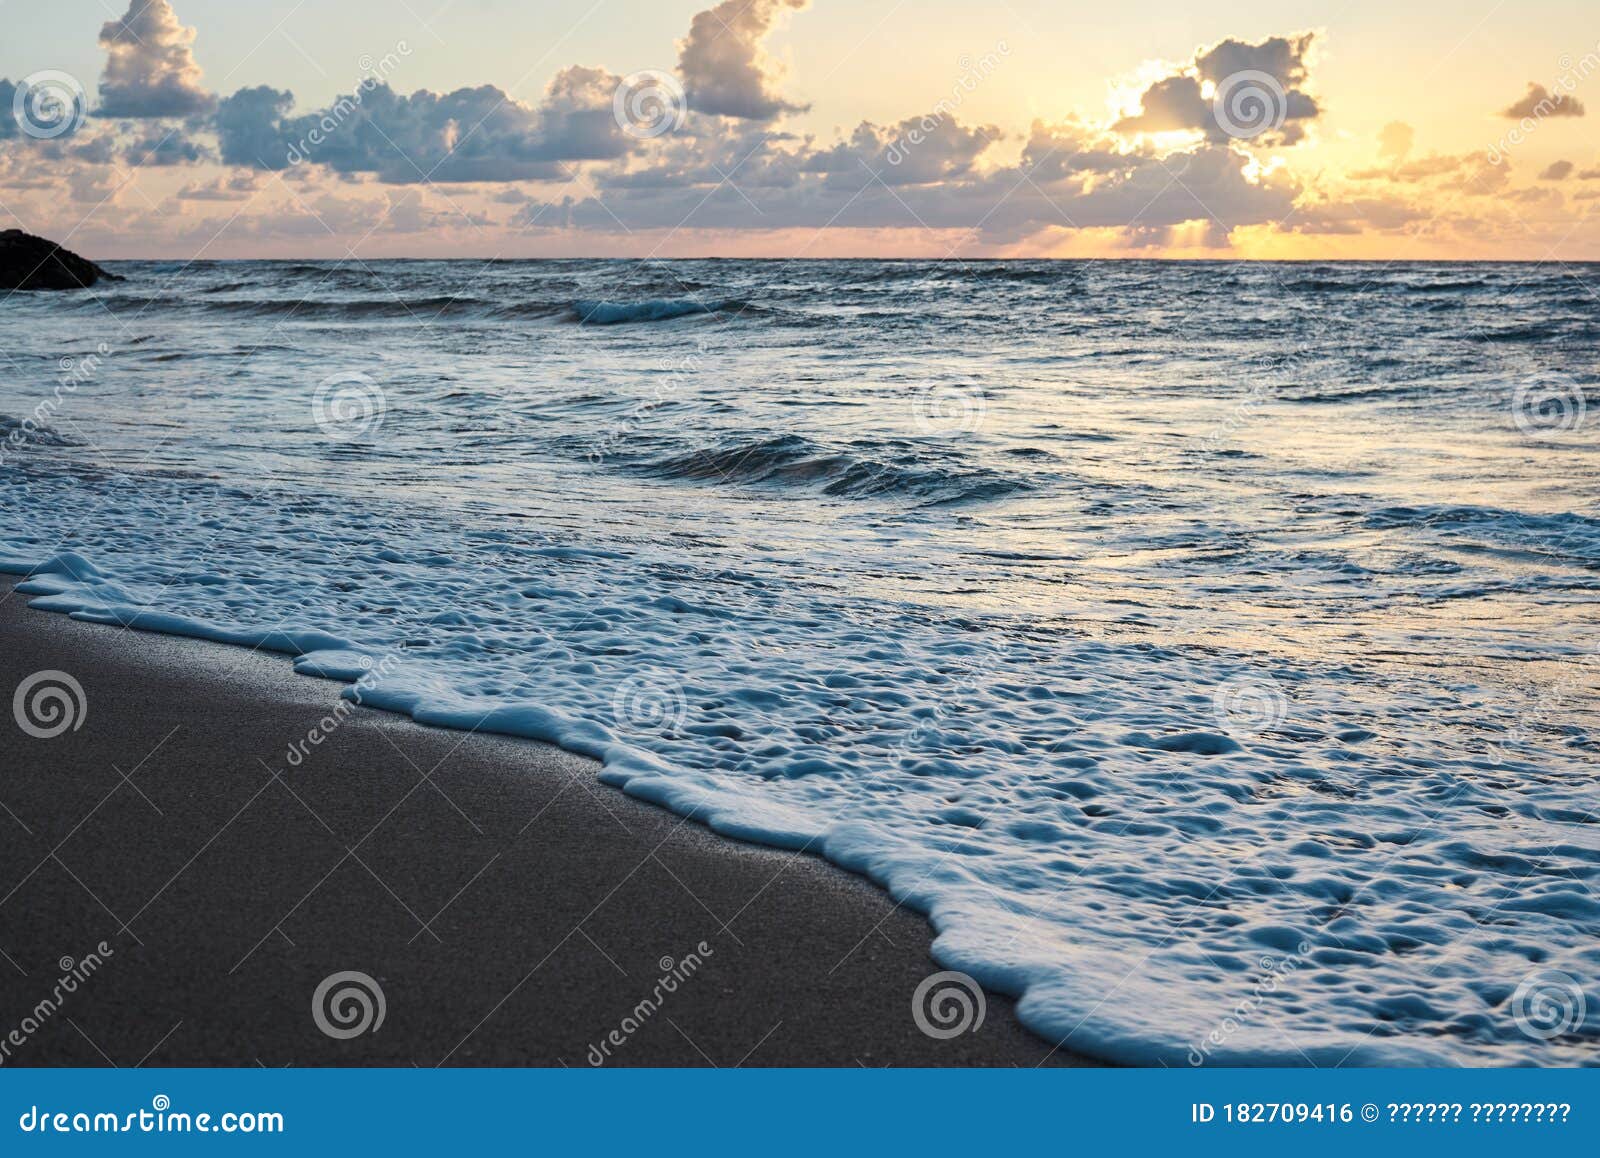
(32, 263)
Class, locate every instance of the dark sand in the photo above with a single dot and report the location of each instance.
(513, 910)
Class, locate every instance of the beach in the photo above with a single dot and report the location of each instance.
(1210, 739)
(512, 909)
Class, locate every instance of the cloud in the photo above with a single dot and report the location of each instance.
(150, 68)
(1070, 148)
(1470, 173)
(164, 149)
(8, 121)
(1395, 141)
(1536, 196)
(1422, 169)
(1350, 216)
(240, 188)
(725, 72)
(1171, 104)
(248, 126)
(917, 151)
(564, 171)
(52, 108)
(328, 217)
(469, 135)
(1538, 104)
(804, 187)
(1256, 93)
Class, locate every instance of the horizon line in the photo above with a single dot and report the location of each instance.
(640, 260)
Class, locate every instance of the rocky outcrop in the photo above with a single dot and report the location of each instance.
(33, 263)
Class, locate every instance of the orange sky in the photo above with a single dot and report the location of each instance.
(778, 128)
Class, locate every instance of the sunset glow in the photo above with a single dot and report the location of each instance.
(793, 129)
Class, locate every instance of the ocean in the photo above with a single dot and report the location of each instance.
(1208, 649)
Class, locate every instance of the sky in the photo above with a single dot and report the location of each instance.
(804, 128)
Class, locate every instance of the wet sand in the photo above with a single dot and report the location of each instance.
(510, 908)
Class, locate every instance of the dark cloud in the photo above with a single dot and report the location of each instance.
(1281, 57)
(917, 151)
(95, 150)
(8, 120)
(53, 103)
(160, 149)
(1539, 103)
(727, 167)
(1117, 190)
(1169, 105)
(248, 125)
(469, 135)
(1557, 171)
(150, 67)
(1257, 94)
(725, 72)
(1071, 149)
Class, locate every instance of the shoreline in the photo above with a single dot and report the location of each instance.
(510, 907)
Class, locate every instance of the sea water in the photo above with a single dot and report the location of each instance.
(1209, 649)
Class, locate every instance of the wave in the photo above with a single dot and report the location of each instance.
(1449, 287)
(312, 309)
(20, 432)
(424, 308)
(1571, 330)
(959, 271)
(1566, 533)
(604, 313)
(531, 309)
(794, 462)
